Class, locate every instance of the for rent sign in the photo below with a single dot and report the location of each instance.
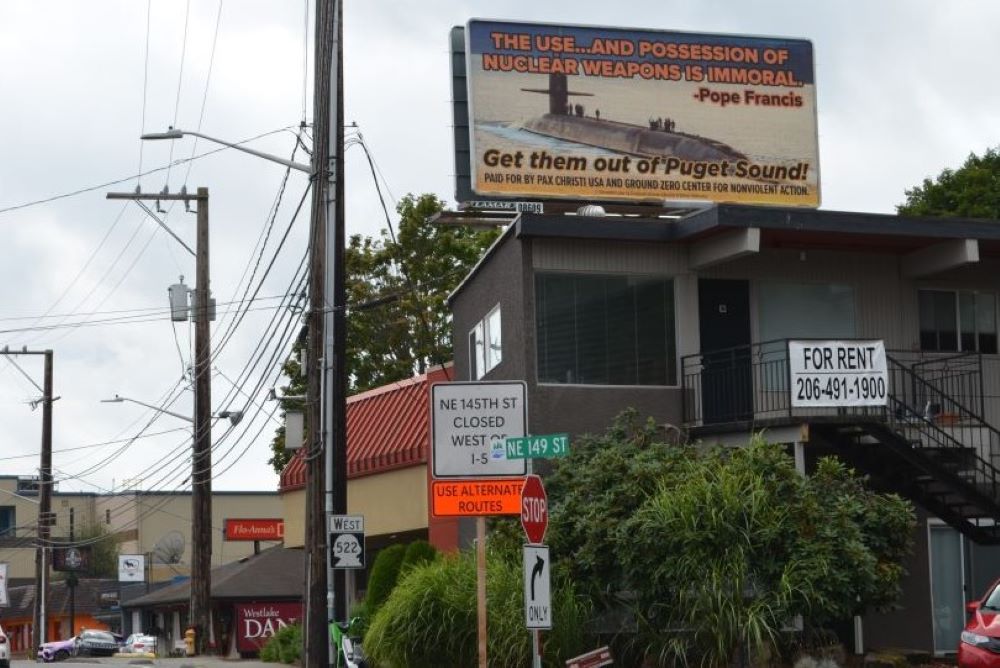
(588, 112)
(256, 622)
(837, 373)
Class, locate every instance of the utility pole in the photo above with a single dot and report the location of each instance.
(201, 459)
(335, 377)
(39, 632)
(316, 638)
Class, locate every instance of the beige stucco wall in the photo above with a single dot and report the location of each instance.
(140, 521)
(391, 502)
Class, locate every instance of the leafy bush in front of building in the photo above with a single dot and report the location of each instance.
(285, 646)
(418, 552)
(385, 573)
(429, 619)
(690, 553)
(725, 556)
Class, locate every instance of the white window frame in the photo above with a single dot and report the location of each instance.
(482, 356)
(957, 292)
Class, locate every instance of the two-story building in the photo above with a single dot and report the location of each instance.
(685, 315)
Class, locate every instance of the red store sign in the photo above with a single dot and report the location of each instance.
(257, 622)
(255, 529)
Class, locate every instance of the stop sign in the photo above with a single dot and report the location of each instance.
(534, 509)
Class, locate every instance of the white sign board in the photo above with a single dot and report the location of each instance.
(837, 373)
(537, 587)
(471, 422)
(347, 541)
(4, 599)
(131, 568)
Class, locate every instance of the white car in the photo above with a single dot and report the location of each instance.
(138, 643)
(4, 650)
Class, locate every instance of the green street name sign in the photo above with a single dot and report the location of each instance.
(543, 445)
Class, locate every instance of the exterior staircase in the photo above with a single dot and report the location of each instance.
(930, 443)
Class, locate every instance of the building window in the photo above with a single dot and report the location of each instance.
(799, 311)
(958, 320)
(7, 521)
(485, 349)
(605, 330)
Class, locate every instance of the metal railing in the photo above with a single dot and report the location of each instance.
(935, 403)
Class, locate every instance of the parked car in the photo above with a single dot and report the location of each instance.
(980, 641)
(57, 650)
(96, 643)
(4, 650)
(139, 643)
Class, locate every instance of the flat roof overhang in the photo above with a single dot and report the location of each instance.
(779, 226)
(727, 231)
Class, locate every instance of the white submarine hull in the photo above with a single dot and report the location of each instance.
(631, 139)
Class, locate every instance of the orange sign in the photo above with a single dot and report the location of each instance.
(475, 497)
(255, 529)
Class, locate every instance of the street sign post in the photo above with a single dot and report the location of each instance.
(470, 423)
(540, 446)
(537, 587)
(534, 509)
(347, 541)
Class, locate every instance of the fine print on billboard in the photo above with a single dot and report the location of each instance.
(599, 113)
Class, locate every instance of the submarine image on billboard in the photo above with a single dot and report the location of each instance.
(566, 121)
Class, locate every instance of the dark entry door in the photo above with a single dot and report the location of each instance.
(724, 321)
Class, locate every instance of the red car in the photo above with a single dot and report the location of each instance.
(980, 643)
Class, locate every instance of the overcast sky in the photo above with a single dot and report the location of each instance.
(904, 89)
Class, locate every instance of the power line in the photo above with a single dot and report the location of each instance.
(180, 79)
(208, 80)
(102, 186)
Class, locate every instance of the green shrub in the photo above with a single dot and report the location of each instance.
(418, 552)
(430, 617)
(385, 573)
(284, 646)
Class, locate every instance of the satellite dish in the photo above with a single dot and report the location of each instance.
(169, 548)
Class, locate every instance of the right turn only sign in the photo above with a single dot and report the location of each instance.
(537, 589)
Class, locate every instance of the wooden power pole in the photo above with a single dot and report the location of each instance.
(201, 460)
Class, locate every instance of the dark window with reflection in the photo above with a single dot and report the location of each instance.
(605, 330)
(958, 320)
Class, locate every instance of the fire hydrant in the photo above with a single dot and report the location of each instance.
(189, 642)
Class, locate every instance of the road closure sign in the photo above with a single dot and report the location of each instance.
(837, 373)
(471, 422)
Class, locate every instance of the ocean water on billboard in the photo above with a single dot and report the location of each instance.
(506, 137)
(783, 133)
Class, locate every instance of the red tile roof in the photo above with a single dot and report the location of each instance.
(387, 428)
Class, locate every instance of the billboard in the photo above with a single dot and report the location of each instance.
(595, 113)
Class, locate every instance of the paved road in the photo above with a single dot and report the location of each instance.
(110, 662)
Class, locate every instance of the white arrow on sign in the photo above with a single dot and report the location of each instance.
(537, 587)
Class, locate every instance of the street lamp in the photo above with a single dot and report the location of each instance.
(174, 133)
(234, 417)
(327, 334)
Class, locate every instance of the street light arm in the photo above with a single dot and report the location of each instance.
(119, 399)
(177, 134)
